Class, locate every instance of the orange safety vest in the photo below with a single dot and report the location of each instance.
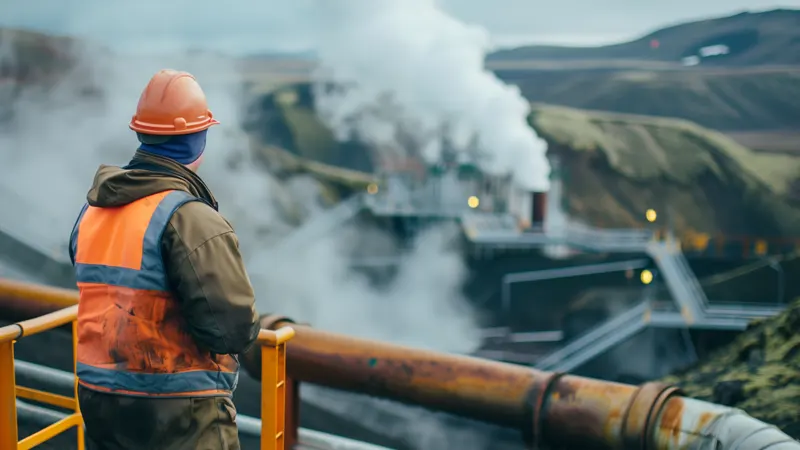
(132, 338)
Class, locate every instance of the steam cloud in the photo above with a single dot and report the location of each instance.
(405, 53)
(402, 65)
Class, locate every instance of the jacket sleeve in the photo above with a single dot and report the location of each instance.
(206, 271)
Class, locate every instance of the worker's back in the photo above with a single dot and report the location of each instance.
(165, 302)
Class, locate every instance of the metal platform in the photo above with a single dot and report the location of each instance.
(633, 321)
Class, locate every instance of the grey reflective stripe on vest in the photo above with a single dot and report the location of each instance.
(169, 384)
(151, 275)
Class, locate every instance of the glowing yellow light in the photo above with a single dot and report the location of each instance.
(646, 277)
(372, 189)
(651, 215)
(473, 202)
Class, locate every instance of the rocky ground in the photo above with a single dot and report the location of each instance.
(759, 372)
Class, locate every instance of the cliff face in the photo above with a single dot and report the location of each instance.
(759, 373)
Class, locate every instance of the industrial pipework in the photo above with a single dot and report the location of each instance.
(552, 410)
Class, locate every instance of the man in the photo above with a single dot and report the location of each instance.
(165, 302)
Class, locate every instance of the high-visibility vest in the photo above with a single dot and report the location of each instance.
(132, 338)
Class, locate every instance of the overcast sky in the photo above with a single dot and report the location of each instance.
(261, 25)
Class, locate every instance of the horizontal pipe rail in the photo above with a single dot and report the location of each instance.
(552, 409)
(248, 426)
(10, 391)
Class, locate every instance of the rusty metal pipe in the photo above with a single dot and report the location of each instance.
(478, 388)
(552, 409)
(581, 412)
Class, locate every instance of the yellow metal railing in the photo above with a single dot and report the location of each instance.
(273, 374)
(273, 387)
(9, 391)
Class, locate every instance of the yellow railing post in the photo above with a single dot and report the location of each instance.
(9, 391)
(81, 438)
(8, 397)
(273, 387)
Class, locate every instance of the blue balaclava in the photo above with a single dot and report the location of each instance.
(184, 148)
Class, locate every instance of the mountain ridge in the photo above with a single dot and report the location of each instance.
(753, 38)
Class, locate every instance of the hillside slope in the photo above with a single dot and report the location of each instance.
(763, 38)
(746, 73)
(719, 99)
(617, 166)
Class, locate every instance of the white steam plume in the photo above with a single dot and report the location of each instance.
(50, 169)
(406, 65)
(56, 140)
(434, 78)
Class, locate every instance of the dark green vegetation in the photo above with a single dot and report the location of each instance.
(759, 373)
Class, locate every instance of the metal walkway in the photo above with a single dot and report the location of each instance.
(631, 322)
(678, 276)
(596, 341)
(501, 230)
(680, 279)
(694, 309)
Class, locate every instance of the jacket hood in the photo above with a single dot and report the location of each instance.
(145, 175)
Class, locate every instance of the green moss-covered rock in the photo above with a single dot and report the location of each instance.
(759, 372)
(617, 166)
(646, 148)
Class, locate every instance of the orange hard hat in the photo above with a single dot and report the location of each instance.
(172, 103)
